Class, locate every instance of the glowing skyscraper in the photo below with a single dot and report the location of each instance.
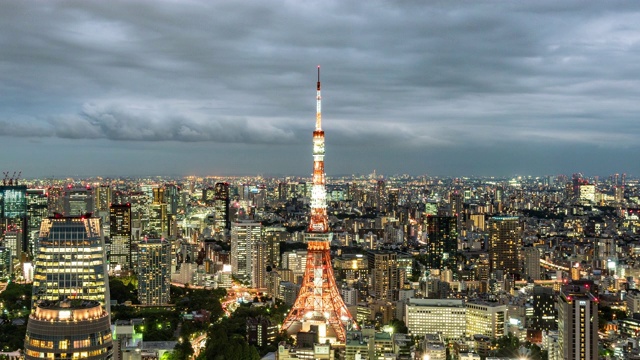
(70, 261)
(319, 302)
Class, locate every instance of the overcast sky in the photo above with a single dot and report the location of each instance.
(228, 87)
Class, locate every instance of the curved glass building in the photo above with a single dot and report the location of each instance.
(71, 329)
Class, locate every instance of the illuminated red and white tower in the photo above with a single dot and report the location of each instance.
(319, 302)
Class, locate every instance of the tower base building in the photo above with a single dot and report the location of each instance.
(71, 329)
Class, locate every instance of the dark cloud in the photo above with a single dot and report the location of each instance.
(399, 79)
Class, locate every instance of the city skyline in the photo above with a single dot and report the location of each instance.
(182, 88)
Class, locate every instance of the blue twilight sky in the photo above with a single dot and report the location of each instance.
(228, 87)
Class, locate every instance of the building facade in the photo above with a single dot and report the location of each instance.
(383, 273)
(577, 324)
(78, 201)
(545, 313)
(154, 275)
(246, 239)
(13, 214)
(505, 241)
(531, 263)
(69, 329)
(221, 200)
(120, 236)
(442, 241)
(433, 316)
(486, 318)
(70, 261)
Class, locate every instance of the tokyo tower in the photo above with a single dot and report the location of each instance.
(319, 303)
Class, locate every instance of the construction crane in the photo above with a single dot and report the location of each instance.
(11, 180)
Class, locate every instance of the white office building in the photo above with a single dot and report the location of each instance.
(432, 316)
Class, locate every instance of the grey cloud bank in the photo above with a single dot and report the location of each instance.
(448, 88)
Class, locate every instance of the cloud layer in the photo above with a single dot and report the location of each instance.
(398, 78)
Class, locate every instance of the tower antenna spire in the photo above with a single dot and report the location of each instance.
(318, 104)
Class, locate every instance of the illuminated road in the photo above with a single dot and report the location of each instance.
(551, 266)
(198, 344)
(235, 295)
(190, 286)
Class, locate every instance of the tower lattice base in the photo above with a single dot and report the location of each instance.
(319, 302)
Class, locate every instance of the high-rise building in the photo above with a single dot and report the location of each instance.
(13, 213)
(392, 202)
(587, 193)
(405, 268)
(259, 197)
(482, 269)
(78, 201)
(55, 200)
(120, 236)
(70, 261)
(154, 275)
(380, 196)
(442, 242)
(283, 192)
(259, 263)
(272, 236)
(577, 323)
(6, 263)
(68, 330)
(288, 292)
(633, 302)
(221, 207)
(486, 318)
(531, 263)
(172, 197)
(505, 240)
(208, 196)
(545, 314)
(296, 261)
(457, 206)
(158, 195)
(574, 271)
(103, 199)
(13, 240)
(383, 271)
(245, 240)
(37, 202)
(261, 331)
(319, 303)
(158, 225)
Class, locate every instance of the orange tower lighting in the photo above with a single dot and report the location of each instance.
(319, 303)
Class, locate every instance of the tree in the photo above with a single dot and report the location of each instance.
(123, 289)
(507, 346)
(182, 351)
(398, 326)
(221, 346)
(16, 297)
(11, 336)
